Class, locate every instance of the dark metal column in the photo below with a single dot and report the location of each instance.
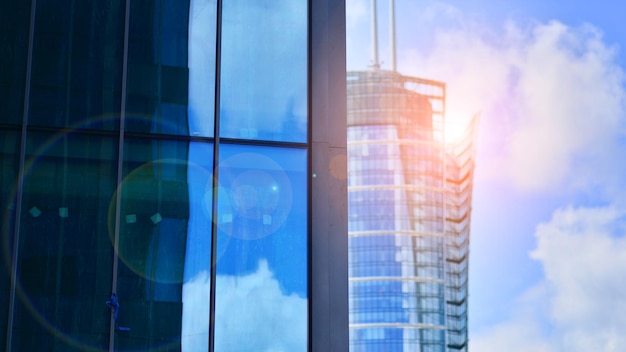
(328, 180)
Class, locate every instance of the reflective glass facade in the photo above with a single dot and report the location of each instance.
(160, 176)
(409, 198)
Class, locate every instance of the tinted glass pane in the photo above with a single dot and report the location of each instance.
(165, 245)
(171, 67)
(9, 161)
(264, 70)
(261, 292)
(202, 36)
(65, 253)
(77, 64)
(14, 27)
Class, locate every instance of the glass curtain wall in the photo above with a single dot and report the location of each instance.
(154, 175)
(459, 185)
(409, 198)
(396, 213)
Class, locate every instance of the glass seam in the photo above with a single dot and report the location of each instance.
(120, 155)
(216, 157)
(20, 186)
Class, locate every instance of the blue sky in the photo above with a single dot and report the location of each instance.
(548, 247)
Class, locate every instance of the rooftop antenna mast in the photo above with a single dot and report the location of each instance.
(392, 34)
(374, 28)
(375, 65)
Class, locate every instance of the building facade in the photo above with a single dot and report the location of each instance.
(409, 197)
(173, 175)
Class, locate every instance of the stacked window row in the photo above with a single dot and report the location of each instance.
(396, 340)
(67, 239)
(120, 219)
(385, 301)
(78, 57)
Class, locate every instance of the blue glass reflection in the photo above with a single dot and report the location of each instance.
(264, 70)
(196, 277)
(202, 34)
(262, 249)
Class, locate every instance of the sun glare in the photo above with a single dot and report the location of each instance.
(456, 127)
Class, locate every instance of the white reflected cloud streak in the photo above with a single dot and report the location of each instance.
(202, 36)
(256, 314)
(195, 322)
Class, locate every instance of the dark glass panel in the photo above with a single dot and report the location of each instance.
(171, 67)
(264, 70)
(165, 245)
(65, 249)
(77, 64)
(261, 292)
(9, 161)
(157, 65)
(14, 29)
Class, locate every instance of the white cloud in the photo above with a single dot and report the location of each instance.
(577, 306)
(583, 261)
(252, 314)
(551, 97)
(357, 32)
(572, 93)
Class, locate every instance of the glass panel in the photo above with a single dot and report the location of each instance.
(202, 36)
(165, 245)
(65, 253)
(171, 67)
(262, 250)
(9, 161)
(14, 28)
(264, 70)
(197, 273)
(77, 64)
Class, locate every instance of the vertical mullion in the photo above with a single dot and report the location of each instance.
(309, 201)
(120, 164)
(444, 196)
(216, 157)
(20, 184)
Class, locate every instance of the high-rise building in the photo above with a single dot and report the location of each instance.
(409, 202)
(173, 175)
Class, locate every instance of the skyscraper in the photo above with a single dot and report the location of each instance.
(409, 200)
(172, 175)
